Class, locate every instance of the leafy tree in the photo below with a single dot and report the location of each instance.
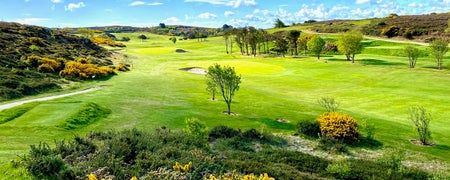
(329, 104)
(292, 37)
(350, 44)
(316, 45)
(211, 87)
(280, 43)
(302, 42)
(226, 80)
(279, 24)
(412, 53)
(126, 39)
(142, 37)
(421, 119)
(174, 39)
(162, 25)
(438, 48)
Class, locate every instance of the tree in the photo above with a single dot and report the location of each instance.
(174, 39)
(390, 31)
(211, 87)
(302, 42)
(279, 24)
(142, 37)
(292, 37)
(315, 45)
(438, 48)
(162, 25)
(226, 80)
(350, 44)
(412, 53)
(126, 39)
(421, 119)
(280, 43)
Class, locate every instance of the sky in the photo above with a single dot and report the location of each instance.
(204, 13)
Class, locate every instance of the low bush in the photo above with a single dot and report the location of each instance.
(332, 145)
(338, 126)
(222, 132)
(309, 128)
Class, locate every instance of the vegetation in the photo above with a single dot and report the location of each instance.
(226, 81)
(279, 24)
(315, 45)
(438, 49)
(329, 104)
(350, 44)
(413, 53)
(135, 154)
(338, 126)
(374, 89)
(421, 119)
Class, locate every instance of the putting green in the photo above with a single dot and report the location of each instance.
(244, 67)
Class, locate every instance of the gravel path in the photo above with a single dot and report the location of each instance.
(18, 103)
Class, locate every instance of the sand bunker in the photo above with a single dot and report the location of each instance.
(194, 70)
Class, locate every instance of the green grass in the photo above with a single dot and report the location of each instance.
(378, 88)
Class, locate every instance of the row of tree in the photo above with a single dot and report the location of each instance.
(252, 41)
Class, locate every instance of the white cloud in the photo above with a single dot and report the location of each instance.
(362, 1)
(57, 1)
(31, 20)
(234, 3)
(155, 4)
(73, 6)
(283, 5)
(207, 15)
(171, 20)
(228, 13)
(137, 3)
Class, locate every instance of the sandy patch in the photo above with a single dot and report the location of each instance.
(195, 70)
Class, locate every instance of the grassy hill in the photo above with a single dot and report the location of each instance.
(19, 71)
(421, 27)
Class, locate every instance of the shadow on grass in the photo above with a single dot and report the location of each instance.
(338, 60)
(274, 124)
(368, 143)
(378, 62)
(442, 147)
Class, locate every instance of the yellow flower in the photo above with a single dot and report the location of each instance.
(92, 177)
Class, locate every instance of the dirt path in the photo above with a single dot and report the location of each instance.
(18, 103)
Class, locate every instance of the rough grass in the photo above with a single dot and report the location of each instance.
(10, 114)
(87, 114)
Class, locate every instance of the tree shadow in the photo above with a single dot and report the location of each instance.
(338, 60)
(442, 147)
(368, 143)
(368, 44)
(378, 62)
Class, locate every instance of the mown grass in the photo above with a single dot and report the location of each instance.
(378, 88)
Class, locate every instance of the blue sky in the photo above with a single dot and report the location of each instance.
(206, 13)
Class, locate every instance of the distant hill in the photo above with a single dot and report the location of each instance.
(25, 48)
(422, 27)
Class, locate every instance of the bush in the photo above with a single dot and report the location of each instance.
(338, 126)
(222, 132)
(308, 128)
(332, 145)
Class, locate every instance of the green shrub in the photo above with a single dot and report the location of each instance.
(338, 126)
(196, 128)
(340, 169)
(308, 128)
(332, 145)
(222, 132)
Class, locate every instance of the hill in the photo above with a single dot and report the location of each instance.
(421, 27)
(25, 48)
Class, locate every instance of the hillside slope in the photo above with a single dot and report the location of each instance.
(19, 76)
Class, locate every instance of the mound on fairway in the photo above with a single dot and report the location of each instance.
(86, 115)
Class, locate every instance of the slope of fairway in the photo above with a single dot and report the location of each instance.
(156, 93)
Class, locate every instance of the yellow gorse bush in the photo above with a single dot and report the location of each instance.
(93, 177)
(181, 168)
(252, 176)
(338, 126)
